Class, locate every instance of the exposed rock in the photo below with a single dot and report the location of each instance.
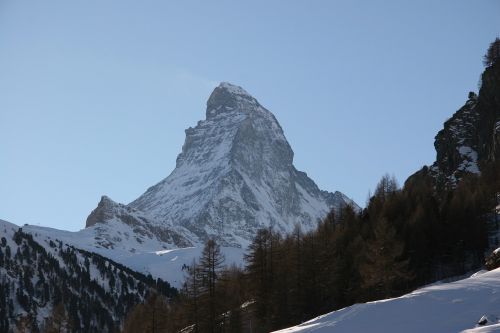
(104, 211)
(109, 216)
(457, 145)
(471, 137)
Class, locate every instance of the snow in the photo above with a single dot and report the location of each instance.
(46, 238)
(160, 253)
(202, 164)
(469, 163)
(447, 307)
(148, 257)
(484, 329)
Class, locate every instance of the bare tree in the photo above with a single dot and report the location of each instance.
(211, 263)
(58, 321)
(493, 53)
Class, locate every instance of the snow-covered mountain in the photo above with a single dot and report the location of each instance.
(133, 239)
(235, 174)
(38, 271)
(115, 224)
(144, 253)
(439, 308)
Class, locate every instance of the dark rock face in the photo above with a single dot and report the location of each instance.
(471, 137)
(227, 97)
(488, 107)
(456, 144)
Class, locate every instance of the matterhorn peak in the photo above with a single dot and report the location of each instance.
(227, 98)
(233, 89)
(235, 174)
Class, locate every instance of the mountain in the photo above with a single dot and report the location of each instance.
(40, 274)
(133, 239)
(471, 137)
(124, 244)
(439, 308)
(235, 174)
(115, 223)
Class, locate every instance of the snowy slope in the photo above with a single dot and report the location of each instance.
(37, 271)
(440, 308)
(151, 256)
(484, 329)
(116, 225)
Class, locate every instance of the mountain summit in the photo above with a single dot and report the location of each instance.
(235, 174)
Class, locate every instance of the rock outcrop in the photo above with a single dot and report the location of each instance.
(471, 137)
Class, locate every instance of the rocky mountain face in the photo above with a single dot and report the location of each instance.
(110, 218)
(457, 145)
(235, 174)
(471, 137)
(488, 107)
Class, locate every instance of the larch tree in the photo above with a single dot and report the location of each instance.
(211, 264)
(493, 53)
(192, 292)
(384, 268)
(58, 322)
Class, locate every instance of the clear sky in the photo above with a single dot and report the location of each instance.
(95, 95)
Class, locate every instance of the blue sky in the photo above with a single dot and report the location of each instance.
(95, 95)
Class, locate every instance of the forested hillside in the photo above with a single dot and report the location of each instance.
(52, 287)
